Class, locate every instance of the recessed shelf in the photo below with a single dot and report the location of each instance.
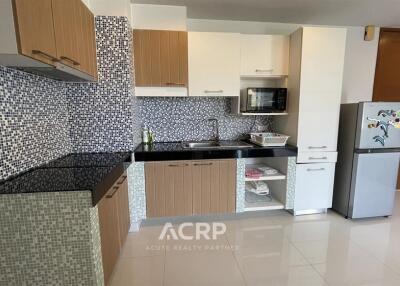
(262, 206)
(275, 177)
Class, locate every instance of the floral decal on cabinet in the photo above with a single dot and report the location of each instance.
(389, 118)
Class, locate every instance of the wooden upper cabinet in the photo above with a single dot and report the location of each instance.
(68, 32)
(35, 31)
(60, 31)
(161, 58)
(75, 36)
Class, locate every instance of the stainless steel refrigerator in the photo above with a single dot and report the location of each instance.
(368, 159)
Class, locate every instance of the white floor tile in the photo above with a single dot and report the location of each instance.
(202, 269)
(141, 271)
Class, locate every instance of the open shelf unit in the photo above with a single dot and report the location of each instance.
(262, 206)
(276, 184)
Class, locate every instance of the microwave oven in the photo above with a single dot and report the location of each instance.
(263, 100)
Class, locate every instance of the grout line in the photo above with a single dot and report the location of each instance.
(309, 262)
(236, 261)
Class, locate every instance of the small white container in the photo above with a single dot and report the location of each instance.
(269, 139)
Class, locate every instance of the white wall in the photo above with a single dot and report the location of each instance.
(359, 69)
(110, 8)
(243, 27)
(158, 17)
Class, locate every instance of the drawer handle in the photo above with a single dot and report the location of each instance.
(178, 165)
(109, 196)
(75, 63)
(203, 164)
(261, 70)
(316, 170)
(317, 158)
(38, 52)
(214, 91)
(122, 180)
(317, 147)
(175, 83)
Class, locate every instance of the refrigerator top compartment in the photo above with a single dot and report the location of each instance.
(378, 125)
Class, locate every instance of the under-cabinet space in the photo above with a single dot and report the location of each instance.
(266, 183)
(183, 188)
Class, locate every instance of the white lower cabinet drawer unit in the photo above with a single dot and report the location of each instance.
(317, 157)
(314, 187)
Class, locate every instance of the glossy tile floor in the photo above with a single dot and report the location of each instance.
(269, 249)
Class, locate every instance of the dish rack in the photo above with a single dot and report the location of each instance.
(269, 139)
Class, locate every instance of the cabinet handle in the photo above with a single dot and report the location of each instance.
(115, 189)
(214, 91)
(38, 52)
(75, 63)
(316, 170)
(261, 70)
(175, 83)
(122, 180)
(178, 165)
(317, 158)
(317, 147)
(203, 164)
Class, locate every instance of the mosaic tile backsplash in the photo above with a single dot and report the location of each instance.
(42, 119)
(34, 121)
(102, 114)
(183, 119)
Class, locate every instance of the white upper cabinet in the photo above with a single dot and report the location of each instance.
(264, 55)
(321, 75)
(214, 64)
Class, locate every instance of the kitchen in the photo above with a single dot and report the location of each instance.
(165, 74)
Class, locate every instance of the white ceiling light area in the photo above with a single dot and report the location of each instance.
(313, 12)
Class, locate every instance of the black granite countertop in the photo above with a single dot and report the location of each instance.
(95, 172)
(171, 151)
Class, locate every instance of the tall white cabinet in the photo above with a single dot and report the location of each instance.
(314, 94)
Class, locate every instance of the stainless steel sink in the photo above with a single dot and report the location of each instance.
(215, 145)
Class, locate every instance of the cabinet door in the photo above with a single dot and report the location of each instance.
(264, 55)
(34, 25)
(160, 58)
(214, 64)
(68, 31)
(123, 209)
(314, 186)
(320, 88)
(109, 232)
(168, 188)
(86, 41)
(214, 186)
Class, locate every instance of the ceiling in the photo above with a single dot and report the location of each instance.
(315, 12)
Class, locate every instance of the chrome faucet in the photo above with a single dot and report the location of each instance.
(215, 128)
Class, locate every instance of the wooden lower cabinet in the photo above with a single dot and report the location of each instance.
(114, 224)
(182, 188)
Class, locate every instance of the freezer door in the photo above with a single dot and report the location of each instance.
(378, 125)
(373, 184)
